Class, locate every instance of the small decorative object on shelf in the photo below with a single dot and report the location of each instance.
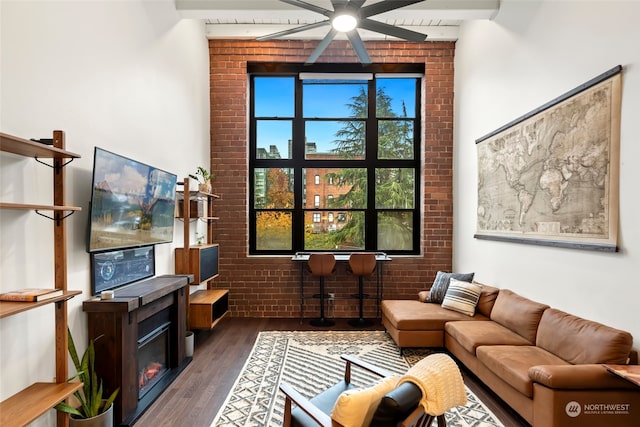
(204, 178)
(30, 295)
(45, 141)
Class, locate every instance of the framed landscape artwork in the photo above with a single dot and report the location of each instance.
(550, 177)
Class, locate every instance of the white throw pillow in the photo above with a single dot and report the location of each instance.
(462, 297)
(355, 407)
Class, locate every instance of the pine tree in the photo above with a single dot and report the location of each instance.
(395, 187)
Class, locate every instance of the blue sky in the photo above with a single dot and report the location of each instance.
(275, 98)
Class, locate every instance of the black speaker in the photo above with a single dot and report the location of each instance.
(203, 262)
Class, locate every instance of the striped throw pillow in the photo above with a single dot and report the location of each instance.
(462, 297)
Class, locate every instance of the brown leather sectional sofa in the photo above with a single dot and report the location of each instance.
(544, 363)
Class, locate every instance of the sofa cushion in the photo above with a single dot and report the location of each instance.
(487, 299)
(518, 313)
(462, 297)
(471, 335)
(410, 315)
(581, 341)
(441, 284)
(512, 363)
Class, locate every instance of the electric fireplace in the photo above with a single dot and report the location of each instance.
(153, 358)
(141, 348)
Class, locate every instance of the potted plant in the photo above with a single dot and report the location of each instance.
(204, 178)
(93, 409)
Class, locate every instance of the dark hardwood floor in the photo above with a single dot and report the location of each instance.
(195, 397)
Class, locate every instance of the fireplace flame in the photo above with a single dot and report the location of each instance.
(151, 371)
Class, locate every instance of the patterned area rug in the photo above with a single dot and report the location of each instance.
(310, 362)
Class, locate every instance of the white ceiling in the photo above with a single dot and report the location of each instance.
(249, 19)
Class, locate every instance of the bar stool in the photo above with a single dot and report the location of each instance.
(321, 265)
(361, 265)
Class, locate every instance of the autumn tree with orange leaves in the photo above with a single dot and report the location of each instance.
(274, 227)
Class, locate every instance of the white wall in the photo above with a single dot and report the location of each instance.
(128, 76)
(531, 53)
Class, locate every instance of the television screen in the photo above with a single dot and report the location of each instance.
(113, 269)
(132, 204)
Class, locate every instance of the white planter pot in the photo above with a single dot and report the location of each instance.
(189, 340)
(105, 419)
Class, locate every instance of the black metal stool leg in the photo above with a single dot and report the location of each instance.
(322, 321)
(360, 322)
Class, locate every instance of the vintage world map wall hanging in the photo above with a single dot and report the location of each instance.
(551, 176)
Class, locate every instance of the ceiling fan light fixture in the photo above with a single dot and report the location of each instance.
(344, 22)
(346, 16)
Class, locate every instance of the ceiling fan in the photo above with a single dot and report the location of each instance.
(346, 17)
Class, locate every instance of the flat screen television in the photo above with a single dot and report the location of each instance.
(113, 269)
(132, 203)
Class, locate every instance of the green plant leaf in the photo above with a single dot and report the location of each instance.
(65, 407)
(90, 396)
(202, 175)
(110, 400)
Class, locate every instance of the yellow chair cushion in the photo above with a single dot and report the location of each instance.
(355, 407)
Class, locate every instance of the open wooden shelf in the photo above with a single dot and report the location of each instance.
(30, 207)
(9, 308)
(26, 406)
(207, 307)
(28, 148)
(199, 193)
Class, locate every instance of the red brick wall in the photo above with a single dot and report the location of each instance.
(269, 286)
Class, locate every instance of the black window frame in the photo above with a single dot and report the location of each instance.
(298, 162)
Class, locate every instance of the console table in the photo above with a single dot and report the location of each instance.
(381, 258)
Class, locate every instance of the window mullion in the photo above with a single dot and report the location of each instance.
(371, 234)
(297, 148)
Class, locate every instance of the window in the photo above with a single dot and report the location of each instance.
(348, 142)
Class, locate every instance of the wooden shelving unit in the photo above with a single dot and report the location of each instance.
(32, 402)
(38, 397)
(206, 306)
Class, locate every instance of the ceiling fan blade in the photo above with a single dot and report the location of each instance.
(321, 46)
(293, 30)
(390, 30)
(385, 6)
(309, 6)
(356, 4)
(358, 47)
(339, 4)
